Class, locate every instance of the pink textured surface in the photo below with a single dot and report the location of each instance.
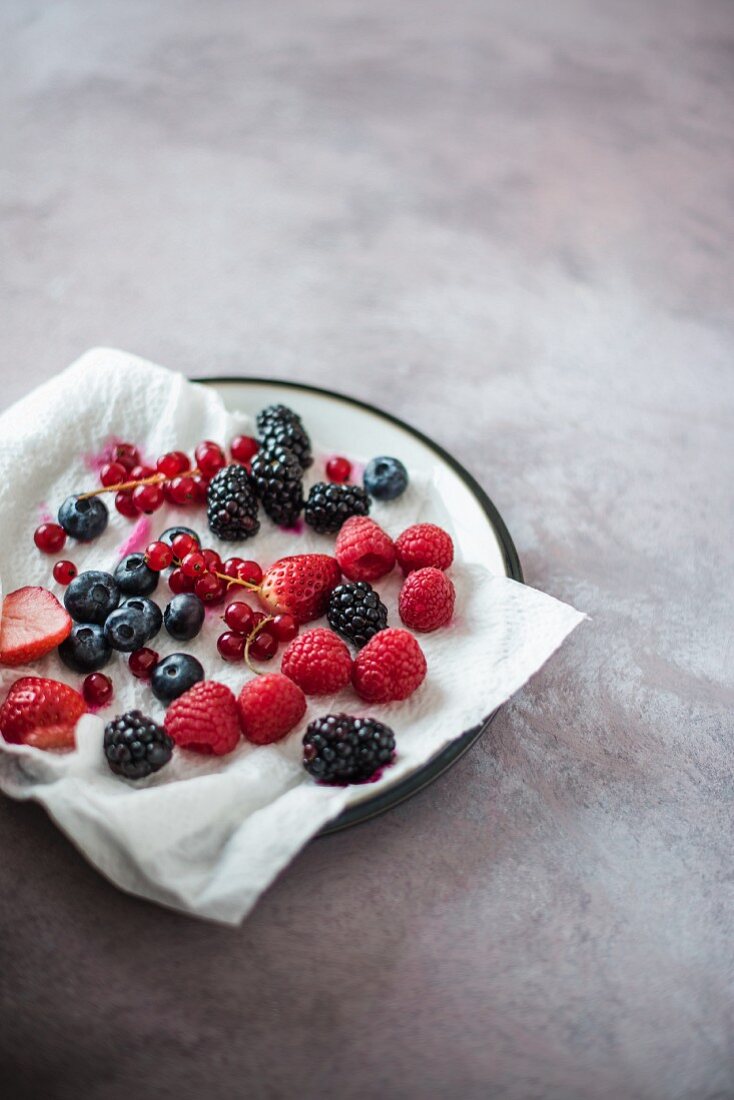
(511, 225)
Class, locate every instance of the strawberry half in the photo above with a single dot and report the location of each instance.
(41, 713)
(33, 623)
(300, 585)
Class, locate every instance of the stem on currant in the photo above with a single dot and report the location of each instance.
(154, 479)
(251, 638)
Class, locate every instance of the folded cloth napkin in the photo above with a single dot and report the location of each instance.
(207, 835)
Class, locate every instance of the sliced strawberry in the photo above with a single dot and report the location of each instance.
(300, 585)
(33, 623)
(41, 712)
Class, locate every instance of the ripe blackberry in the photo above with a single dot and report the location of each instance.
(328, 506)
(277, 478)
(279, 426)
(231, 504)
(340, 749)
(356, 612)
(275, 414)
(136, 746)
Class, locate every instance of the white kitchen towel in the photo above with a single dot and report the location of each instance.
(207, 835)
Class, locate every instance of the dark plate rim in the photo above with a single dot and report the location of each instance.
(446, 757)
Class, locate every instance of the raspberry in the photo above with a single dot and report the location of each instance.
(426, 599)
(390, 667)
(270, 706)
(364, 551)
(424, 544)
(318, 662)
(204, 719)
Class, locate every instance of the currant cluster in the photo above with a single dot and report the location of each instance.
(252, 633)
(198, 569)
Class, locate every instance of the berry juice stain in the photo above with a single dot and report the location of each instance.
(94, 461)
(138, 539)
(297, 529)
(44, 514)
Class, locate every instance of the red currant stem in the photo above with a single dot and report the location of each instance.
(251, 638)
(236, 580)
(154, 479)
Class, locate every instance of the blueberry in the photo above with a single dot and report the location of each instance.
(86, 649)
(150, 611)
(170, 533)
(133, 576)
(174, 675)
(183, 616)
(83, 519)
(385, 478)
(92, 596)
(126, 629)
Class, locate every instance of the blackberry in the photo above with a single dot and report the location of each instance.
(135, 746)
(279, 426)
(231, 504)
(356, 612)
(278, 481)
(340, 749)
(328, 506)
(276, 414)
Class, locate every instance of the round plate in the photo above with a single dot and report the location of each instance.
(354, 427)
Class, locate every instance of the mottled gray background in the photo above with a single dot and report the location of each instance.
(510, 223)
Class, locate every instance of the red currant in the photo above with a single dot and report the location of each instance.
(158, 556)
(125, 504)
(209, 458)
(243, 448)
(250, 571)
(284, 627)
(126, 454)
(139, 473)
(49, 537)
(210, 589)
(170, 464)
(184, 462)
(97, 689)
(179, 582)
(231, 566)
(64, 572)
(184, 544)
(112, 473)
(182, 490)
(231, 646)
(193, 564)
(166, 487)
(338, 469)
(142, 662)
(238, 617)
(148, 498)
(264, 645)
(201, 484)
(213, 561)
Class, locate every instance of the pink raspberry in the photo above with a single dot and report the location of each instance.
(204, 719)
(364, 551)
(390, 667)
(424, 544)
(270, 706)
(318, 662)
(426, 599)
